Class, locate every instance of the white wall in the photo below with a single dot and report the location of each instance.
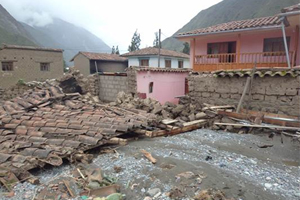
(153, 61)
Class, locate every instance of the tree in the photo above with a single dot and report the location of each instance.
(186, 48)
(113, 51)
(117, 50)
(156, 40)
(135, 42)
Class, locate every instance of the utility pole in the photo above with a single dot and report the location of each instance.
(159, 46)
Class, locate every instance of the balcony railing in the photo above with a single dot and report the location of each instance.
(213, 62)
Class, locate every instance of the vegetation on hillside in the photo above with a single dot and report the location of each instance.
(15, 39)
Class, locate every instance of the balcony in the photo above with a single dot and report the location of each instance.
(235, 61)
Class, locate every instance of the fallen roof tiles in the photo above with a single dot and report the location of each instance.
(43, 128)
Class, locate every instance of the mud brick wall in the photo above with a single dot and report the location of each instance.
(93, 85)
(111, 85)
(270, 94)
(132, 84)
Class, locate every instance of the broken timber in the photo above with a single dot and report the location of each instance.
(270, 118)
(188, 126)
(258, 126)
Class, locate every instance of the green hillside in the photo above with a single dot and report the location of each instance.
(229, 10)
(15, 39)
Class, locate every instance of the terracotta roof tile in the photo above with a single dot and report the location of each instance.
(154, 51)
(156, 69)
(102, 56)
(291, 8)
(263, 22)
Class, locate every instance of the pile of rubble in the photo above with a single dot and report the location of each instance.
(185, 111)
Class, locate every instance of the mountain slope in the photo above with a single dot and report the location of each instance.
(11, 31)
(229, 10)
(64, 35)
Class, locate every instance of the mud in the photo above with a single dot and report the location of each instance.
(238, 166)
(224, 161)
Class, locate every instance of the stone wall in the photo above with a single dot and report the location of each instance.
(111, 85)
(271, 94)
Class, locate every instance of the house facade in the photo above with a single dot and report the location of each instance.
(29, 64)
(89, 63)
(243, 44)
(161, 84)
(149, 57)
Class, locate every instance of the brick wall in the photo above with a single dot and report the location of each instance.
(12, 92)
(132, 84)
(26, 66)
(111, 85)
(271, 94)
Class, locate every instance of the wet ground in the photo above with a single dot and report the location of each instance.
(233, 163)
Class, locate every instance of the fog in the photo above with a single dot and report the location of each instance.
(112, 21)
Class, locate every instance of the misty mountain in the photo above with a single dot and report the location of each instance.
(64, 35)
(12, 32)
(228, 10)
(59, 34)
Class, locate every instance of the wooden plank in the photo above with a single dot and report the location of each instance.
(169, 121)
(258, 126)
(269, 118)
(243, 95)
(200, 121)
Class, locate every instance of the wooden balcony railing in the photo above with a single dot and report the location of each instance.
(231, 61)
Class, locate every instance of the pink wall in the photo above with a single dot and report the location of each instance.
(166, 85)
(250, 41)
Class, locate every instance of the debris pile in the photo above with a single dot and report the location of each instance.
(211, 194)
(45, 125)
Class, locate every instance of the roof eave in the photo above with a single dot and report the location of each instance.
(230, 31)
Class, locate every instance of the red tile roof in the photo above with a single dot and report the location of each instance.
(156, 69)
(291, 8)
(6, 46)
(101, 56)
(154, 51)
(263, 22)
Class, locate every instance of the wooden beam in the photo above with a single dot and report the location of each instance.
(258, 126)
(243, 95)
(194, 52)
(238, 48)
(296, 45)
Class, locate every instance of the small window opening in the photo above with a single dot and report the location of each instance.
(150, 87)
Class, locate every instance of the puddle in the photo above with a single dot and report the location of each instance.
(291, 163)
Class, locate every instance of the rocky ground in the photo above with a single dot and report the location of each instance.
(243, 167)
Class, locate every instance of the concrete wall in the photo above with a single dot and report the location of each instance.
(26, 64)
(250, 41)
(271, 94)
(166, 85)
(153, 61)
(82, 63)
(110, 86)
(109, 66)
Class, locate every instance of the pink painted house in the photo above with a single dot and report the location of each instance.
(161, 84)
(240, 44)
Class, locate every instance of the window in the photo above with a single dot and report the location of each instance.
(221, 47)
(167, 63)
(144, 62)
(150, 87)
(275, 44)
(180, 63)
(45, 67)
(7, 66)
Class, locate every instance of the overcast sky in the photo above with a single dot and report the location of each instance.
(113, 21)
